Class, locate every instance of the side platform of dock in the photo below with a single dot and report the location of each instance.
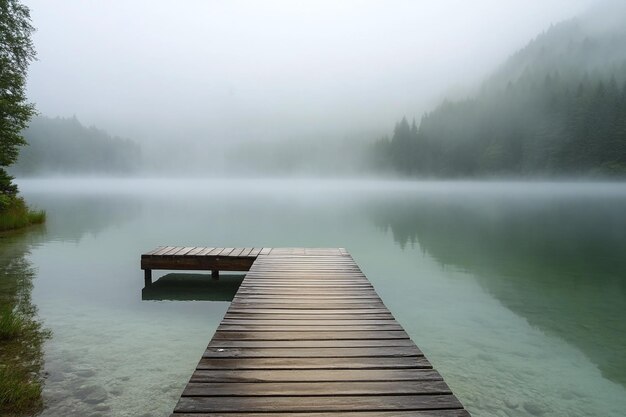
(306, 335)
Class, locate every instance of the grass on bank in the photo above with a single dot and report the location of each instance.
(15, 214)
(20, 386)
(11, 325)
(19, 393)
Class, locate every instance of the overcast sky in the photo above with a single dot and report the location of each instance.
(232, 70)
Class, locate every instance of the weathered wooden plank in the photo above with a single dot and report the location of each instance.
(310, 328)
(318, 306)
(321, 318)
(397, 413)
(172, 251)
(282, 283)
(312, 375)
(312, 293)
(305, 298)
(236, 252)
(310, 343)
(164, 249)
(153, 251)
(368, 300)
(316, 352)
(226, 251)
(277, 255)
(204, 251)
(308, 323)
(195, 251)
(313, 335)
(295, 311)
(301, 266)
(298, 291)
(330, 271)
(303, 288)
(184, 251)
(304, 276)
(306, 260)
(319, 403)
(314, 388)
(315, 363)
(342, 294)
(312, 268)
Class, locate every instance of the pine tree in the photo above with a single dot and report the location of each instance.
(16, 53)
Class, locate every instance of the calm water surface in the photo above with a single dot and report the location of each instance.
(516, 292)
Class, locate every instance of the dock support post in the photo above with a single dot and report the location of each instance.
(215, 274)
(147, 277)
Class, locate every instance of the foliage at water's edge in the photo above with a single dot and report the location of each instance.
(21, 333)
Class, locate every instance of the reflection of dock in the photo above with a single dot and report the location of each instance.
(192, 287)
(306, 333)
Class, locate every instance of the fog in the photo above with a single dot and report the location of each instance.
(198, 78)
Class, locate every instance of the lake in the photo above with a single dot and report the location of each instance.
(516, 292)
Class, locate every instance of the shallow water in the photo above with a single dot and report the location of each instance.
(516, 292)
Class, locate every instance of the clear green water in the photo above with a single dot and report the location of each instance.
(516, 292)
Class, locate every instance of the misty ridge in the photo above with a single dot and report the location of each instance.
(555, 108)
(65, 147)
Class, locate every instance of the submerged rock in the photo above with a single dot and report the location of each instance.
(92, 394)
(534, 408)
(511, 402)
(102, 407)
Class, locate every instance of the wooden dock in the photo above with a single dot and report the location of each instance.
(306, 335)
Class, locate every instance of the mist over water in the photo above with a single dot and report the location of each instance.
(514, 291)
(276, 87)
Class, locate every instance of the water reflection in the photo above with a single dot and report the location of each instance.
(557, 261)
(193, 287)
(70, 217)
(21, 343)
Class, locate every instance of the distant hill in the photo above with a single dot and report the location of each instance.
(65, 147)
(591, 45)
(556, 107)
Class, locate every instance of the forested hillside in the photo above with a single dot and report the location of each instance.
(65, 146)
(557, 107)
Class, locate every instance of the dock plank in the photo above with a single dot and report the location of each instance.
(402, 362)
(204, 251)
(229, 344)
(306, 352)
(319, 403)
(172, 251)
(154, 251)
(163, 250)
(314, 388)
(412, 413)
(315, 375)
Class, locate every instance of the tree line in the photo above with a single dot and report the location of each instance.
(65, 146)
(539, 115)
